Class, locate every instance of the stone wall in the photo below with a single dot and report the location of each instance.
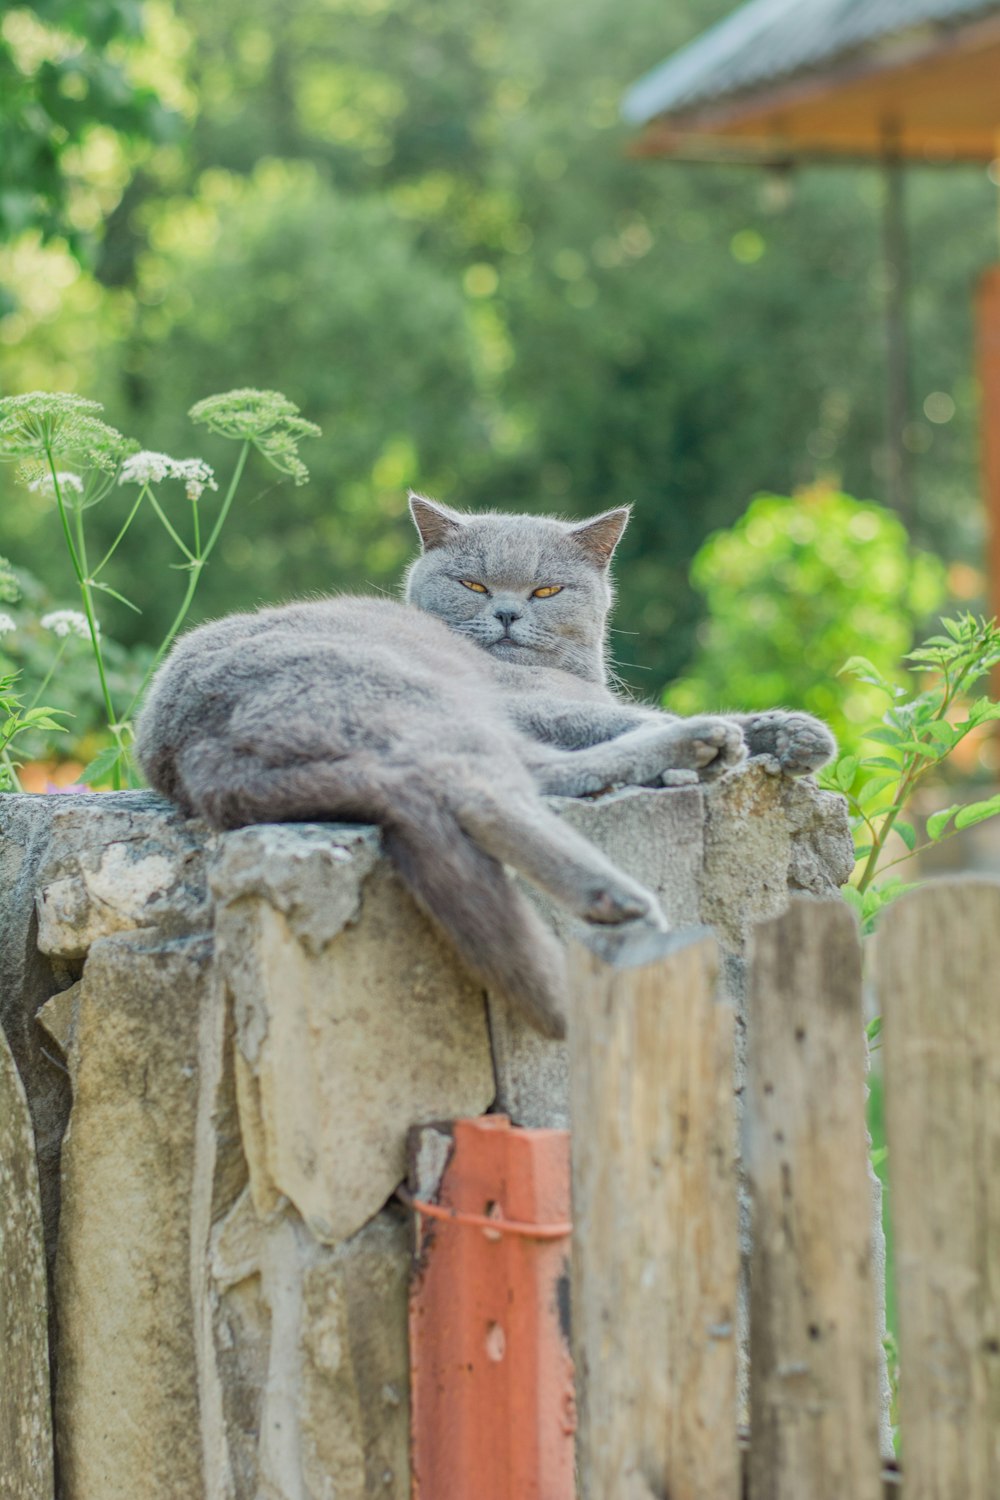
(218, 1045)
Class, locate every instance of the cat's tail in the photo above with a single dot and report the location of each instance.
(468, 893)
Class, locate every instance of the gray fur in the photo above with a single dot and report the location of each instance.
(444, 731)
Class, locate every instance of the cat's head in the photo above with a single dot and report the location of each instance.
(528, 589)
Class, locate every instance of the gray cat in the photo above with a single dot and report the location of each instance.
(442, 720)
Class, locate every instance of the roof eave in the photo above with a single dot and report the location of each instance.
(702, 123)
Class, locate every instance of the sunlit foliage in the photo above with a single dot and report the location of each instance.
(68, 97)
(796, 588)
(420, 218)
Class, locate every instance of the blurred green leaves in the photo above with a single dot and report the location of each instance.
(795, 587)
(17, 720)
(921, 725)
(280, 280)
(421, 220)
(64, 71)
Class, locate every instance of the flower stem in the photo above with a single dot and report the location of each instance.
(220, 519)
(114, 545)
(196, 567)
(11, 770)
(875, 853)
(170, 529)
(49, 675)
(167, 641)
(78, 557)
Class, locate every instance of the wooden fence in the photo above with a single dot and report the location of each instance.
(661, 1387)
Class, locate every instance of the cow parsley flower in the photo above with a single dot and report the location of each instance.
(45, 423)
(145, 468)
(67, 622)
(152, 468)
(7, 623)
(44, 485)
(196, 474)
(265, 419)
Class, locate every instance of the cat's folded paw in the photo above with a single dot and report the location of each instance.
(790, 744)
(679, 778)
(716, 745)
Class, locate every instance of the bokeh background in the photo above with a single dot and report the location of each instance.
(420, 219)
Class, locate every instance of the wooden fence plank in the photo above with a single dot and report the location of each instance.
(813, 1352)
(655, 1243)
(939, 986)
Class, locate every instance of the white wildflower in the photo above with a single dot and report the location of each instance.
(196, 474)
(152, 468)
(44, 485)
(67, 622)
(145, 468)
(7, 623)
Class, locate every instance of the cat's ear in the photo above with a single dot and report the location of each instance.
(599, 536)
(435, 522)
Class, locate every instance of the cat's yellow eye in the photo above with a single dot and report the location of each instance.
(477, 588)
(547, 591)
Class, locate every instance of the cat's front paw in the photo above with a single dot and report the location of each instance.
(790, 743)
(709, 745)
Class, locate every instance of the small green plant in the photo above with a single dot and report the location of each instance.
(68, 454)
(920, 729)
(922, 724)
(15, 721)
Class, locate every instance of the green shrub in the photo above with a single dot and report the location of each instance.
(796, 587)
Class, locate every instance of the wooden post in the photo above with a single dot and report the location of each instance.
(896, 271)
(655, 1244)
(988, 353)
(814, 1394)
(938, 975)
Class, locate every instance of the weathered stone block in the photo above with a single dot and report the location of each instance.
(657, 837)
(351, 1022)
(25, 1412)
(725, 854)
(310, 1354)
(44, 840)
(114, 868)
(127, 1398)
(764, 835)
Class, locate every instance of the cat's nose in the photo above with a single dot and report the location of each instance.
(507, 617)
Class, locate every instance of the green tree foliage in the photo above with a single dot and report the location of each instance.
(421, 220)
(793, 590)
(279, 279)
(63, 73)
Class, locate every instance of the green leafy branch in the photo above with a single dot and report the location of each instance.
(919, 731)
(16, 720)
